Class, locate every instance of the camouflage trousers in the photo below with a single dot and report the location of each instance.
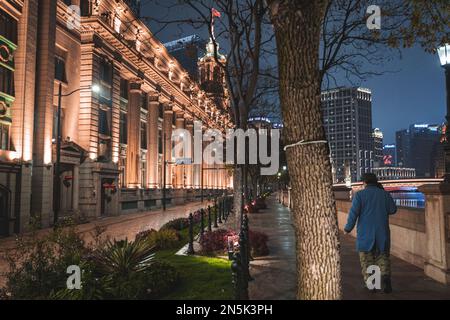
(375, 257)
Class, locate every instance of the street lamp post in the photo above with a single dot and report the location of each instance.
(57, 170)
(57, 174)
(444, 56)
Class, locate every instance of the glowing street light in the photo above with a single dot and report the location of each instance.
(444, 57)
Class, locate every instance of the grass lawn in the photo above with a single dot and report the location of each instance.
(202, 278)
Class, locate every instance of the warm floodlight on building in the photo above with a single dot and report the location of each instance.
(95, 88)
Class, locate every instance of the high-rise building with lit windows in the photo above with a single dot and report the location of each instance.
(418, 147)
(377, 147)
(347, 119)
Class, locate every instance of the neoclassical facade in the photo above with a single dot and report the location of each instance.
(120, 95)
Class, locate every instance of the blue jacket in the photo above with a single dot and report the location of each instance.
(371, 208)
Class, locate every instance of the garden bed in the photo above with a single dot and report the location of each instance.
(155, 272)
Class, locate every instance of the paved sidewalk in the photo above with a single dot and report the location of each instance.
(275, 275)
(408, 281)
(276, 278)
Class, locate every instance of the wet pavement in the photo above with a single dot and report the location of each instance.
(276, 279)
(408, 281)
(275, 275)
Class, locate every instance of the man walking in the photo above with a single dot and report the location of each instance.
(371, 208)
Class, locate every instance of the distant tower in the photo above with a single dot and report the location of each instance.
(212, 76)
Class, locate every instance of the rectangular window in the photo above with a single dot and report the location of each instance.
(123, 128)
(161, 111)
(160, 142)
(144, 101)
(106, 72)
(124, 89)
(103, 123)
(8, 27)
(60, 69)
(85, 8)
(7, 81)
(4, 136)
(143, 135)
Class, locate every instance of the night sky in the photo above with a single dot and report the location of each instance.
(414, 94)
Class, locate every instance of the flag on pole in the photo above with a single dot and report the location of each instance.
(215, 13)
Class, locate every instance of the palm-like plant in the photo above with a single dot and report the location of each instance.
(121, 258)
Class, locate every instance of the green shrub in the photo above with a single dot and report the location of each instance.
(113, 270)
(161, 278)
(121, 258)
(165, 239)
(176, 224)
(155, 281)
(37, 266)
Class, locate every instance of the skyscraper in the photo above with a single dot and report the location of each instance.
(390, 155)
(402, 138)
(418, 147)
(347, 119)
(378, 147)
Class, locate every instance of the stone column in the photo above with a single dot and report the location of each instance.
(152, 140)
(167, 137)
(437, 231)
(133, 145)
(179, 169)
(23, 107)
(189, 170)
(198, 167)
(42, 178)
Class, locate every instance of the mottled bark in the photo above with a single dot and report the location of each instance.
(297, 27)
(237, 193)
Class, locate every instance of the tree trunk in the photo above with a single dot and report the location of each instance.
(237, 195)
(297, 28)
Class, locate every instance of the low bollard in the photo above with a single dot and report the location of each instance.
(209, 219)
(223, 210)
(248, 247)
(243, 254)
(202, 222)
(190, 249)
(215, 218)
(239, 284)
(219, 211)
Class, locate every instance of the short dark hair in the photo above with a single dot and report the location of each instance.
(370, 178)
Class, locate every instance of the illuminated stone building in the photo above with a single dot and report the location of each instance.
(122, 95)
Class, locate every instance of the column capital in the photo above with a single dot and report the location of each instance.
(168, 107)
(135, 84)
(189, 122)
(153, 97)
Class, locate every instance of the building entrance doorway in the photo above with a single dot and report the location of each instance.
(4, 211)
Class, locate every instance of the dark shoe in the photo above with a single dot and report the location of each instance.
(387, 286)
